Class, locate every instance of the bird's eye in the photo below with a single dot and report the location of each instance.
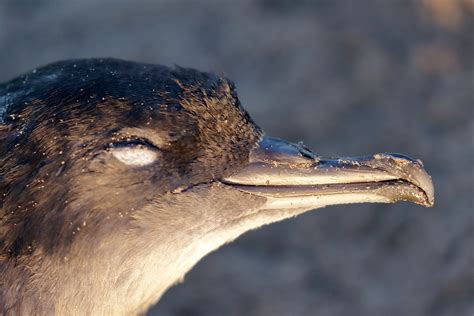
(135, 152)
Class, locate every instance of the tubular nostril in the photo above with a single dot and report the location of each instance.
(274, 150)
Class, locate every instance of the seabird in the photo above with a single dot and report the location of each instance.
(116, 177)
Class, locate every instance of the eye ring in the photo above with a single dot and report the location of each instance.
(135, 152)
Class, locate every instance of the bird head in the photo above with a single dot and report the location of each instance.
(117, 177)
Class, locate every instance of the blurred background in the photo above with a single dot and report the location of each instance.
(347, 78)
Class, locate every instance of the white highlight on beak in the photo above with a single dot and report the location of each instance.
(136, 156)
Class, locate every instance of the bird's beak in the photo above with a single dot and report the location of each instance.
(291, 176)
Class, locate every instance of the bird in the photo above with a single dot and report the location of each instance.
(117, 177)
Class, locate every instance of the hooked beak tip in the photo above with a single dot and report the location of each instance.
(408, 170)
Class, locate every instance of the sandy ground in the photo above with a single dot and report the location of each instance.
(347, 78)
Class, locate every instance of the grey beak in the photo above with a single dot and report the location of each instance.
(292, 176)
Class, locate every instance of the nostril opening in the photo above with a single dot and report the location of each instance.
(306, 153)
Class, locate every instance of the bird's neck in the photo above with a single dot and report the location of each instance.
(111, 282)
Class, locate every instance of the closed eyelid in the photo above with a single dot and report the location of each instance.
(150, 136)
(133, 142)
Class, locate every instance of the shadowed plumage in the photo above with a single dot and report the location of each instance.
(117, 177)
